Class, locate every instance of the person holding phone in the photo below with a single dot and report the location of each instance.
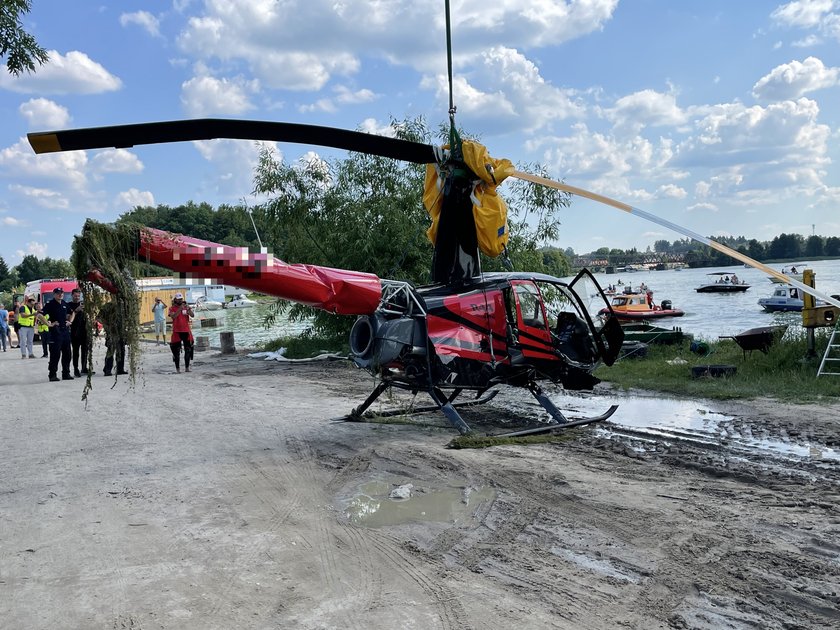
(159, 311)
(180, 314)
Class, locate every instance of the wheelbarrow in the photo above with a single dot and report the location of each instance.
(760, 338)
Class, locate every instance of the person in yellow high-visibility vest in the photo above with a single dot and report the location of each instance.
(26, 334)
(43, 329)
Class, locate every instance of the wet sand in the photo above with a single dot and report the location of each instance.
(227, 498)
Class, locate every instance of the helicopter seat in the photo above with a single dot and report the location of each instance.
(571, 336)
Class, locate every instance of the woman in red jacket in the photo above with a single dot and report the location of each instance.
(180, 314)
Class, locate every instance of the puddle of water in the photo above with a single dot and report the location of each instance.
(372, 506)
(668, 418)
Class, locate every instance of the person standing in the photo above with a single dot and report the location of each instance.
(159, 310)
(180, 313)
(78, 333)
(42, 325)
(4, 327)
(59, 318)
(114, 339)
(26, 332)
(13, 322)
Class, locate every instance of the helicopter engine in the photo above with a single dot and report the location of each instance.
(378, 341)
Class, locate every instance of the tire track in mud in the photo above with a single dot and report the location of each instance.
(359, 543)
(449, 609)
(278, 497)
(329, 543)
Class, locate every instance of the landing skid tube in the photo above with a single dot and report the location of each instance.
(572, 422)
(443, 403)
(558, 420)
(450, 410)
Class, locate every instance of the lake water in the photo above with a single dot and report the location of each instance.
(707, 315)
(247, 325)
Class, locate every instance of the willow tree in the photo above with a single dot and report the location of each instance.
(18, 47)
(366, 213)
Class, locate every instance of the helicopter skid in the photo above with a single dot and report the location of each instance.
(442, 403)
(355, 417)
(559, 426)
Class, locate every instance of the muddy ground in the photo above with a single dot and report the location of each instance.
(227, 498)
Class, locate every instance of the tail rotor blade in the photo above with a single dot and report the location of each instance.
(122, 136)
(581, 192)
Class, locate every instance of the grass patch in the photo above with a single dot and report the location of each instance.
(306, 346)
(782, 373)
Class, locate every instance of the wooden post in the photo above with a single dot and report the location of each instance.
(202, 344)
(228, 346)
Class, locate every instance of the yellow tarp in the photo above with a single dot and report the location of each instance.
(489, 210)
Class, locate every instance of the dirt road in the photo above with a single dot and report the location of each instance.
(226, 498)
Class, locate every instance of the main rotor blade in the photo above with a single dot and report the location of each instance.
(543, 181)
(122, 136)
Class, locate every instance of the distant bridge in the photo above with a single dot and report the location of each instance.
(649, 260)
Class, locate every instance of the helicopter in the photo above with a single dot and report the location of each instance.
(465, 331)
(445, 338)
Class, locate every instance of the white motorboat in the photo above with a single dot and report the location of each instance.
(784, 298)
(790, 272)
(240, 301)
(202, 303)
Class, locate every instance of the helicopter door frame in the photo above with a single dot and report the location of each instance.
(534, 335)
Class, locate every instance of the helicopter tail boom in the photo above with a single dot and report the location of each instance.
(335, 290)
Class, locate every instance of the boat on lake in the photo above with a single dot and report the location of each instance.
(648, 333)
(790, 272)
(722, 282)
(202, 303)
(640, 306)
(240, 301)
(784, 298)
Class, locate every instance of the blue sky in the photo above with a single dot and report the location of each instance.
(720, 116)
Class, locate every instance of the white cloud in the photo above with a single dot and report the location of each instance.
(803, 13)
(807, 42)
(206, 95)
(13, 222)
(702, 207)
(42, 197)
(144, 20)
(69, 169)
(795, 79)
(235, 161)
(115, 161)
(73, 73)
(132, 198)
(820, 15)
(765, 143)
(671, 191)
(646, 108)
(404, 32)
(505, 91)
(343, 96)
(42, 112)
(35, 248)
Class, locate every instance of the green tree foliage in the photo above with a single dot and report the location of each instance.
(832, 246)
(18, 47)
(814, 246)
(33, 268)
(786, 246)
(662, 246)
(555, 262)
(228, 225)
